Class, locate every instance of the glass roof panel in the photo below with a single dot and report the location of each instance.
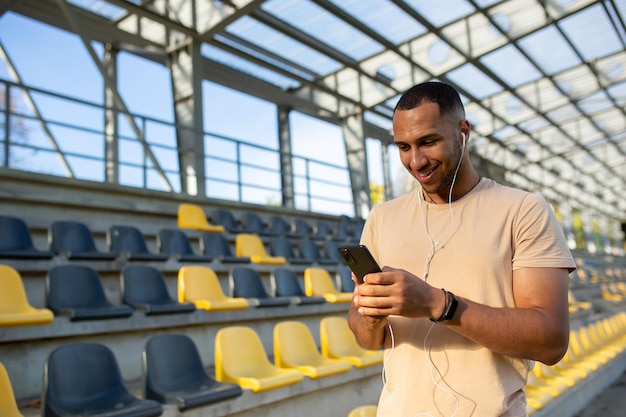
(577, 82)
(511, 66)
(475, 35)
(618, 92)
(102, 8)
(267, 38)
(595, 103)
(558, 57)
(441, 12)
(519, 17)
(611, 121)
(321, 24)
(432, 54)
(215, 54)
(383, 17)
(592, 33)
(474, 81)
(542, 94)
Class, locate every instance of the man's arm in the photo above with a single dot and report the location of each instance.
(537, 328)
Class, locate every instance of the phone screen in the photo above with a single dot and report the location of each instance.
(360, 260)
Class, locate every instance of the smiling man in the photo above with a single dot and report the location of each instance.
(475, 277)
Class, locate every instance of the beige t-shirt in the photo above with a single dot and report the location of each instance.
(492, 231)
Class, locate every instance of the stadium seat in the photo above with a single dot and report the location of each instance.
(281, 246)
(317, 282)
(294, 347)
(8, 405)
(128, 242)
(287, 285)
(247, 284)
(16, 241)
(241, 358)
(76, 291)
(345, 278)
(363, 411)
(303, 228)
(74, 240)
(227, 220)
(251, 246)
(337, 341)
(200, 285)
(174, 242)
(216, 246)
(174, 374)
(15, 310)
(144, 288)
(331, 249)
(281, 227)
(323, 231)
(84, 379)
(192, 216)
(254, 224)
(310, 250)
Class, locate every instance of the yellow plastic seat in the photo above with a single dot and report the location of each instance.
(192, 216)
(295, 348)
(15, 310)
(337, 341)
(250, 245)
(8, 405)
(241, 358)
(200, 285)
(363, 411)
(317, 282)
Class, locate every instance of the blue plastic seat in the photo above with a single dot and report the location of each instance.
(144, 288)
(281, 246)
(255, 224)
(174, 242)
(16, 241)
(309, 249)
(247, 284)
(175, 374)
(303, 228)
(84, 379)
(76, 291)
(216, 246)
(287, 285)
(74, 240)
(129, 242)
(281, 227)
(227, 219)
(345, 278)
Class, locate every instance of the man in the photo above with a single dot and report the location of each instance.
(475, 277)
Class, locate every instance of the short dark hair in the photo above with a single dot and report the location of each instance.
(443, 94)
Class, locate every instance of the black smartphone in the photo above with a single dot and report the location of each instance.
(360, 260)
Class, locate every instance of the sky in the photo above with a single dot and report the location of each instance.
(57, 61)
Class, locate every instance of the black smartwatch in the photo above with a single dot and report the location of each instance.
(451, 304)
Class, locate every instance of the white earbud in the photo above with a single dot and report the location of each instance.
(464, 138)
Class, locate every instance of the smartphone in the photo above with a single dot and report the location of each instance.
(360, 261)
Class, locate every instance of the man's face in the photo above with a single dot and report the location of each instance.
(429, 146)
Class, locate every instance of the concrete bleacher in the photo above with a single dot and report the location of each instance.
(39, 200)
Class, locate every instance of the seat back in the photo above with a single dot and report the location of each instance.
(174, 241)
(13, 297)
(196, 283)
(8, 405)
(249, 245)
(287, 284)
(126, 239)
(80, 377)
(14, 234)
(309, 249)
(323, 230)
(143, 284)
(279, 225)
(247, 284)
(74, 286)
(303, 227)
(336, 338)
(345, 276)
(254, 223)
(317, 281)
(191, 216)
(281, 246)
(226, 219)
(294, 345)
(70, 236)
(240, 353)
(172, 361)
(215, 244)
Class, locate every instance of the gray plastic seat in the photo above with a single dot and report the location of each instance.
(247, 284)
(281, 246)
(84, 379)
(175, 374)
(309, 249)
(16, 241)
(174, 242)
(144, 288)
(216, 246)
(287, 285)
(76, 291)
(74, 240)
(128, 242)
